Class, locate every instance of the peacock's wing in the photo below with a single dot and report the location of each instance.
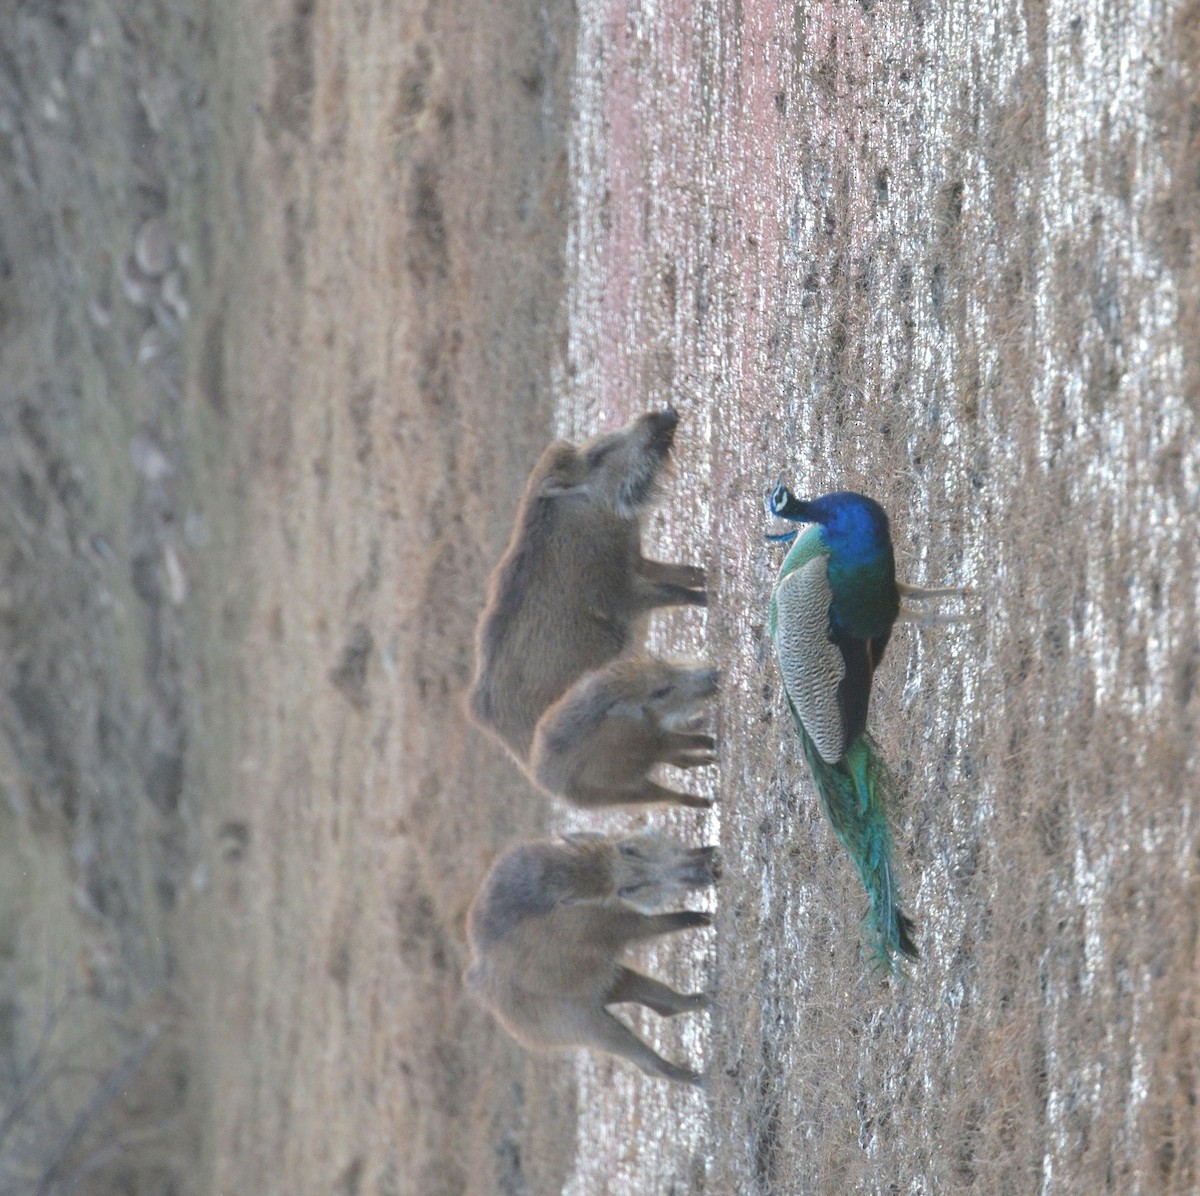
(812, 665)
(826, 673)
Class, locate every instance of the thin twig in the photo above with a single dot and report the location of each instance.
(106, 1092)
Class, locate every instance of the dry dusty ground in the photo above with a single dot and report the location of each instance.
(947, 256)
(252, 485)
(244, 544)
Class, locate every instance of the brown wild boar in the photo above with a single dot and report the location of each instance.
(550, 924)
(572, 589)
(597, 744)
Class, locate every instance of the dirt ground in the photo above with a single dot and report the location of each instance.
(291, 296)
(250, 482)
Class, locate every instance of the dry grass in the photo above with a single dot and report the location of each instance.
(95, 1102)
(1048, 748)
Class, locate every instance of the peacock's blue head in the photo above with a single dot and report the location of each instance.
(850, 523)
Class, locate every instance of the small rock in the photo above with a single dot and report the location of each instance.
(153, 342)
(152, 247)
(174, 296)
(168, 321)
(139, 289)
(176, 578)
(387, 658)
(195, 529)
(158, 98)
(148, 459)
(99, 314)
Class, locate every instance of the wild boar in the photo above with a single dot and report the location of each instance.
(596, 745)
(550, 924)
(572, 589)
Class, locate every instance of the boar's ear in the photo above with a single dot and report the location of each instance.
(557, 485)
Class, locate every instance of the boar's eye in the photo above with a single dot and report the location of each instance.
(632, 850)
(598, 452)
(661, 692)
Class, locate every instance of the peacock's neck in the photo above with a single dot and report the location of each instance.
(865, 598)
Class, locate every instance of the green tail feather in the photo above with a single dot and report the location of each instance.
(855, 795)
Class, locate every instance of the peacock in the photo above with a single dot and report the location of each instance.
(832, 611)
